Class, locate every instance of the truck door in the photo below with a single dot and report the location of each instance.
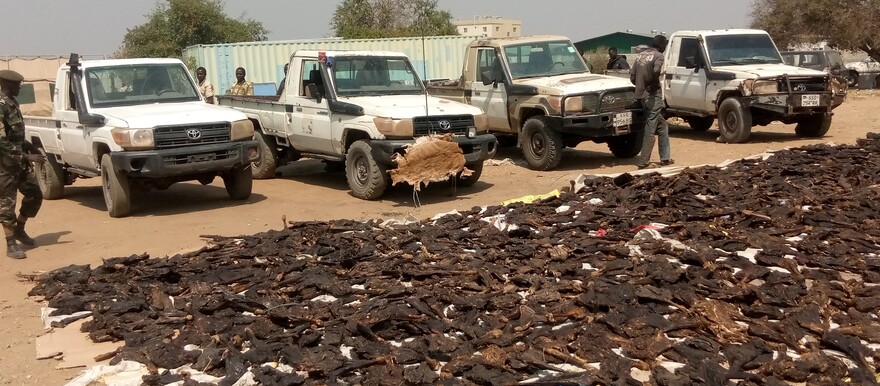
(491, 97)
(309, 123)
(685, 76)
(73, 137)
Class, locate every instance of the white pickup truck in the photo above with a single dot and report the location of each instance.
(361, 108)
(138, 123)
(739, 77)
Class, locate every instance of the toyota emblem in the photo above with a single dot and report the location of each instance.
(194, 134)
(445, 125)
(611, 99)
(800, 87)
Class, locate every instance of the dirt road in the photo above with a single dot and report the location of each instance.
(77, 230)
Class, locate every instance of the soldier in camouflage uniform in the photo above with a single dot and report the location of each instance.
(16, 171)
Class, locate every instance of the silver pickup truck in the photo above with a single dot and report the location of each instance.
(360, 108)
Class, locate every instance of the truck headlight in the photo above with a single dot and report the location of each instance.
(394, 127)
(572, 104)
(133, 139)
(764, 87)
(481, 122)
(242, 129)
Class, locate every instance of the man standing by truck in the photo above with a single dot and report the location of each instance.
(645, 74)
(241, 86)
(16, 172)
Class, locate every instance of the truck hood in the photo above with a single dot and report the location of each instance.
(167, 114)
(574, 83)
(767, 70)
(409, 106)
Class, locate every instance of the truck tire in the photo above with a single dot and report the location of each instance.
(50, 176)
(700, 123)
(813, 126)
(734, 121)
(366, 178)
(541, 145)
(465, 181)
(238, 182)
(852, 78)
(117, 194)
(265, 167)
(626, 146)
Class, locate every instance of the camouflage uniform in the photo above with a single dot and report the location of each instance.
(243, 88)
(16, 173)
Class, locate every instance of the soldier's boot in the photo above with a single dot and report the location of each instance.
(13, 250)
(22, 236)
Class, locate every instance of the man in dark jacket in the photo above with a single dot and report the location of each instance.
(645, 74)
(615, 61)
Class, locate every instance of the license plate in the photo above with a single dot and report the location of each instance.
(809, 100)
(623, 119)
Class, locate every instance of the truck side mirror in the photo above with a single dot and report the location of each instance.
(486, 78)
(315, 92)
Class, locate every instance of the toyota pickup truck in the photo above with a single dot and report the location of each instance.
(360, 108)
(539, 94)
(739, 77)
(138, 124)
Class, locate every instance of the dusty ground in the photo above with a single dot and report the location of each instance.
(77, 230)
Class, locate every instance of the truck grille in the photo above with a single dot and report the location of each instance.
(190, 135)
(610, 102)
(802, 84)
(455, 124)
(617, 101)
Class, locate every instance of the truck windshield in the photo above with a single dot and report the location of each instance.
(733, 50)
(530, 60)
(139, 84)
(374, 75)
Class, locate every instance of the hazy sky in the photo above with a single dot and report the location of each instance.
(58, 27)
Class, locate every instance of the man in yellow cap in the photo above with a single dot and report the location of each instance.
(16, 170)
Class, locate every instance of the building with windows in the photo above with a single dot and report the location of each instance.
(491, 26)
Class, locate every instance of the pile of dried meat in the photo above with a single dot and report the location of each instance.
(764, 272)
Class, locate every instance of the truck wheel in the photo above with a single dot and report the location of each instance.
(734, 121)
(117, 194)
(541, 145)
(50, 176)
(626, 146)
(852, 78)
(366, 178)
(238, 182)
(465, 181)
(700, 123)
(814, 126)
(265, 166)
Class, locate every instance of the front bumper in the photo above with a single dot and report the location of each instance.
(185, 161)
(598, 125)
(794, 104)
(477, 149)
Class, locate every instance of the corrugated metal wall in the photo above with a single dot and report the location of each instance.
(442, 56)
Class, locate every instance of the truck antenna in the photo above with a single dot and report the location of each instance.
(422, 25)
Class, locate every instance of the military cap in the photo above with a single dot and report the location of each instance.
(11, 76)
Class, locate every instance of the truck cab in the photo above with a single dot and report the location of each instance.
(739, 77)
(138, 123)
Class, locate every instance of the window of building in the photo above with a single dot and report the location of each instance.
(485, 29)
(497, 29)
(465, 30)
(514, 29)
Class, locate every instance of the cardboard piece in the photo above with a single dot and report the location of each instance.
(73, 347)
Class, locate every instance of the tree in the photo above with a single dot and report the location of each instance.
(367, 19)
(175, 24)
(844, 24)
